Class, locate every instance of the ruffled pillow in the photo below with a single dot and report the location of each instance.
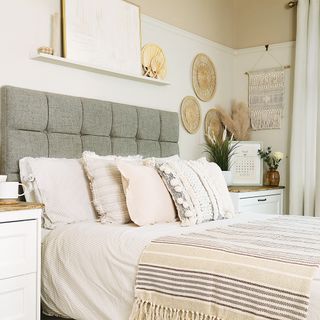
(148, 199)
(61, 185)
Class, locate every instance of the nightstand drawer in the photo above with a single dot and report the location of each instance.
(18, 298)
(18, 248)
(266, 204)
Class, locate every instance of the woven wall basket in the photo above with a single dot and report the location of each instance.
(212, 124)
(203, 77)
(190, 114)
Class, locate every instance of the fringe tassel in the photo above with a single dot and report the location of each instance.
(265, 119)
(145, 310)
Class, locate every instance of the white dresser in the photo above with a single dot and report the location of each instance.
(20, 241)
(266, 200)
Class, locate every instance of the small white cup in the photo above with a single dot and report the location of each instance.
(9, 190)
(3, 178)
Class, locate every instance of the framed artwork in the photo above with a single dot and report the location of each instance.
(246, 165)
(104, 33)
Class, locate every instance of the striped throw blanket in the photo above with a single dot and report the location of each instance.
(255, 270)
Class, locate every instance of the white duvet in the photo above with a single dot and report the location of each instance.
(88, 269)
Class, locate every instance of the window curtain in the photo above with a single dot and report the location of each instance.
(305, 138)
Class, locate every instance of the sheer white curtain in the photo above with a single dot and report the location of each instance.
(305, 139)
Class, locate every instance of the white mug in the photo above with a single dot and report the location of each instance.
(10, 190)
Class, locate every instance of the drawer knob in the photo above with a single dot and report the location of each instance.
(261, 200)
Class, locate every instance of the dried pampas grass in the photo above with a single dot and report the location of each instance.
(238, 124)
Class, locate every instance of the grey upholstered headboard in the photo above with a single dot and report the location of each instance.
(41, 124)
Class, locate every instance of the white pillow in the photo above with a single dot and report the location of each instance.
(30, 188)
(106, 186)
(215, 176)
(198, 189)
(148, 199)
(61, 185)
(153, 161)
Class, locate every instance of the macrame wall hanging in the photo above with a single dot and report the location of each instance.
(266, 96)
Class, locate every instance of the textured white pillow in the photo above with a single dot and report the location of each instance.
(198, 189)
(106, 186)
(215, 176)
(151, 162)
(61, 185)
(148, 199)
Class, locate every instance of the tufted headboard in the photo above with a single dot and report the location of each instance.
(41, 124)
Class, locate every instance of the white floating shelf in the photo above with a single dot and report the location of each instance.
(92, 68)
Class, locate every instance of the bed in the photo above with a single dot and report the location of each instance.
(113, 251)
(94, 276)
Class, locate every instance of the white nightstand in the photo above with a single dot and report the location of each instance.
(266, 200)
(20, 244)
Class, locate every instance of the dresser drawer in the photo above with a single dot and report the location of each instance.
(18, 248)
(18, 298)
(265, 204)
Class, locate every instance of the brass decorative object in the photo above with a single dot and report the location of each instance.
(153, 61)
(203, 77)
(190, 114)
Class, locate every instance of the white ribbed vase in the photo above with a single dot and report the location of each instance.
(228, 177)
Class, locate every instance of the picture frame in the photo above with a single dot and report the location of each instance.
(91, 35)
(246, 164)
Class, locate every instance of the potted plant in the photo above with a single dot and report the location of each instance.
(272, 159)
(220, 151)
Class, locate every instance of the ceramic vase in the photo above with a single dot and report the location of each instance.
(228, 177)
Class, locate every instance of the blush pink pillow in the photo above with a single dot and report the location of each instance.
(148, 200)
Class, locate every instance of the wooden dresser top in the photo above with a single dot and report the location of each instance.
(253, 188)
(20, 205)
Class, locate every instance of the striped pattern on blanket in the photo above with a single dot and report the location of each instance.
(254, 270)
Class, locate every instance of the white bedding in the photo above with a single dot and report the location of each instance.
(89, 268)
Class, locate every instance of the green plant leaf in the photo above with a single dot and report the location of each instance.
(221, 152)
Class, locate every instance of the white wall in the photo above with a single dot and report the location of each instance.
(279, 139)
(25, 26)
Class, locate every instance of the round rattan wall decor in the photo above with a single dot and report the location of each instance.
(212, 124)
(153, 61)
(203, 77)
(190, 114)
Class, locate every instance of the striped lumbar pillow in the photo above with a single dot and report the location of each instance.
(106, 186)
